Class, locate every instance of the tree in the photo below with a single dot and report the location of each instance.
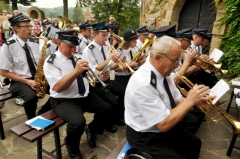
(127, 13)
(5, 6)
(65, 8)
(15, 2)
(77, 15)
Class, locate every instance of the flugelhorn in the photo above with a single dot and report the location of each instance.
(120, 40)
(213, 111)
(207, 66)
(93, 78)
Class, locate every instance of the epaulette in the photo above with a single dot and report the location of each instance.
(91, 46)
(153, 80)
(48, 45)
(51, 58)
(10, 42)
(80, 40)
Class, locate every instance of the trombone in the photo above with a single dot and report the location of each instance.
(93, 78)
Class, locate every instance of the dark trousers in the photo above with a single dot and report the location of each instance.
(192, 121)
(203, 78)
(28, 95)
(122, 79)
(115, 97)
(72, 111)
(176, 143)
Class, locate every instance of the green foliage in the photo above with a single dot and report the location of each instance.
(15, 2)
(77, 15)
(5, 6)
(231, 41)
(126, 12)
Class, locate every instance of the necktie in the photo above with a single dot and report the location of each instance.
(30, 61)
(173, 104)
(81, 87)
(104, 57)
(56, 48)
(131, 55)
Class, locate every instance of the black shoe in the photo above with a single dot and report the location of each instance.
(91, 137)
(119, 122)
(71, 154)
(112, 129)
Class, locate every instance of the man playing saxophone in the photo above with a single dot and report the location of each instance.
(19, 62)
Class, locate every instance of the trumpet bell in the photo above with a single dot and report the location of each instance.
(63, 22)
(77, 29)
(218, 65)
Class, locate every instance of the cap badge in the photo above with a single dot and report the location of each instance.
(74, 34)
(132, 31)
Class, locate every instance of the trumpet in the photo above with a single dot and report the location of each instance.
(208, 66)
(120, 63)
(213, 111)
(93, 78)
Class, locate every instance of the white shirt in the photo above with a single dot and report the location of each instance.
(13, 57)
(145, 105)
(83, 42)
(51, 47)
(60, 67)
(194, 47)
(94, 56)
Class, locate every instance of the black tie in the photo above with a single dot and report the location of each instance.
(87, 43)
(56, 48)
(81, 87)
(104, 57)
(30, 61)
(131, 55)
(173, 104)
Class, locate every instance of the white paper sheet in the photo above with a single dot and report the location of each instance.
(219, 90)
(216, 54)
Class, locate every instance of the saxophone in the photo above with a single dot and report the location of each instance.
(39, 76)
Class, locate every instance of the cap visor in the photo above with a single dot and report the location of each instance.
(71, 42)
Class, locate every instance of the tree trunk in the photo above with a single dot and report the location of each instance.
(14, 5)
(65, 8)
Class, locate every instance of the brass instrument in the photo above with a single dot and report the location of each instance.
(77, 29)
(93, 78)
(63, 22)
(147, 42)
(39, 76)
(120, 40)
(215, 113)
(208, 66)
(120, 63)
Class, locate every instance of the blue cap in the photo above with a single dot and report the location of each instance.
(185, 33)
(168, 30)
(208, 36)
(129, 35)
(200, 31)
(143, 30)
(46, 23)
(85, 25)
(18, 18)
(69, 36)
(100, 27)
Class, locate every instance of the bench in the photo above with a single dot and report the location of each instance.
(31, 135)
(5, 94)
(234, 137)
(117, 150)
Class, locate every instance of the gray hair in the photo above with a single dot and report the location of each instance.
(163, 45)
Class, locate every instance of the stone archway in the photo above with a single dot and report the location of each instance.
(166, 12)
(36, 13)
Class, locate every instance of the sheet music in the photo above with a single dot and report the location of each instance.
(219, 90)
(216, 54)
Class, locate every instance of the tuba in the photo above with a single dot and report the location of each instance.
(39, 76)
(63, 22)
(213, 111)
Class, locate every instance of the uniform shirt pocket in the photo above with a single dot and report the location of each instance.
(19, 62)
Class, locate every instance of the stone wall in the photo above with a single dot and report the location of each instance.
(167, 12)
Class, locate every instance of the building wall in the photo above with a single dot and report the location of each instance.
(166, 12)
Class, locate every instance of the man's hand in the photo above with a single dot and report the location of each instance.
(81, 66)
(105, 76)
(114, 56)
(33, 84)
(191, 55)
(133, 64)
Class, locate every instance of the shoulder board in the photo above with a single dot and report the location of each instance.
(10, 42)
(153, 80)
(51, 58)
(91, 46)
(80, 40)
(48, 45)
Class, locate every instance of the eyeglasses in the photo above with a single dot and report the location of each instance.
(26, 26)
(175, 62)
